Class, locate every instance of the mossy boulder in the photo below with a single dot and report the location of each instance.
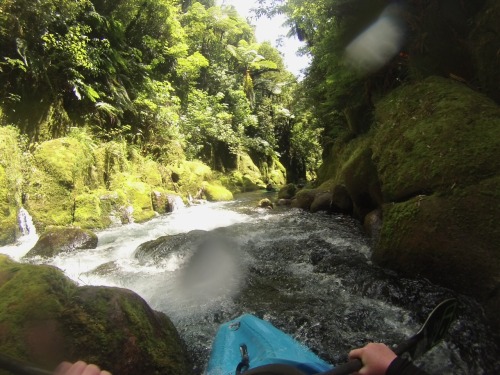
(11, 179)
(165, 201)
(451, 239)
(434, 136)
(434, 149)
(287, 191)
(277, 173)
(215, 192)
(58, 240)
(322, 202)
(265, 203)
(137, 193)
(251, 175)
(188, 176)
(46, 318)
(304, 198)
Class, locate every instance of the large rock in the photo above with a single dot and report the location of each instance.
(214, 192)
(435, 136)
(434, 148)
(430, 165)
(59, 240)
(45, 319)
(341, 201)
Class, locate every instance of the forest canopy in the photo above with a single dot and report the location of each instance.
(176, 79)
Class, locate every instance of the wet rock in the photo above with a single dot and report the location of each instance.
(265, 203)
(341, 201)
(287, 191)
(373, 224)
(321, 202)
(304, 199)
(164, 246)
(164, 202)
(59, 240)
(284, 202)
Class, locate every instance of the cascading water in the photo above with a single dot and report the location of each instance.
(309, 274)
(28, 237)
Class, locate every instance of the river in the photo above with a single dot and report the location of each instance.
(309, 274)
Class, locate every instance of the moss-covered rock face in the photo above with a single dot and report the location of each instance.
(434, 136)
(8, 212)
(59, 168)
(45, 319)
(430, 163)
(67, 160)
(11, 179)
(47, 200)
(57, 240)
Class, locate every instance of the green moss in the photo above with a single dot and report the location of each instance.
(304, 198)
(150, 173)
(398, 219)
(11, 180)
(287, 191)
(48, 202)
(343, 151)
(460, 252)
(277, 173)
(91, 212)
(139, 197)
(8, 214)
(216, 192)
(361, 180)
(30, 295)
(252, 178)
(188, 176)
(67, 160)
(45, 318)
(433, 136)
(110, 324)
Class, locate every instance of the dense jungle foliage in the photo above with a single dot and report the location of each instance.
(454, 39)
(175, 79)
(186, 79)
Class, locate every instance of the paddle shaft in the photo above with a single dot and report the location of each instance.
(20, 368)
(433, 330)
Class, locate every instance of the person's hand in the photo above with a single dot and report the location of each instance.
(376, 358)
(79, 368)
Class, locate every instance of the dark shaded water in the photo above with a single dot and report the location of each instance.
(308, 274)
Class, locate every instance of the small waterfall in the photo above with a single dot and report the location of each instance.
(25, 222)
(175, 202)
(28, 238)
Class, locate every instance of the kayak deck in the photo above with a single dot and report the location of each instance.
(263, 345)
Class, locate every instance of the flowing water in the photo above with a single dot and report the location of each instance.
(308, 274)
